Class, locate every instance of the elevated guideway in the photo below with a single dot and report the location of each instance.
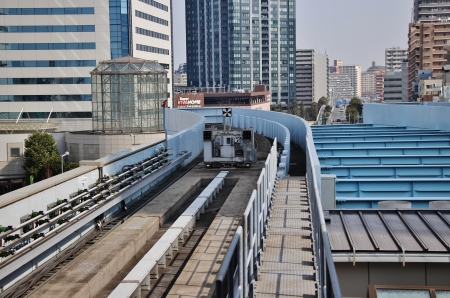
(47, 218)
(241, 224)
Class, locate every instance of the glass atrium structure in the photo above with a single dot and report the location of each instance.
(127, 94)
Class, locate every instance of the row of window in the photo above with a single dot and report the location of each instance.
(152, 33)
(151, 49)
(65, 97)
(48, 46)
(46, 11)
(48, 63)
(43, 81)
(156, 4)
(79, 28)
(151, 18)
(44, 115)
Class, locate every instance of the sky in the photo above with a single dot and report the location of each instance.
(356, 31)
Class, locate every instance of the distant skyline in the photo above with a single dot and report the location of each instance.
(352, 30)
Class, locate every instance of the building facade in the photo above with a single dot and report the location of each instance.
(340, 87)
(429, 11)
(48, 49)
(426, 51)
(405, 81)
(394, 58)
(368, 84)
(393, 86)
(311, 76)
(257, 99)
(241, 44)
(354, 71)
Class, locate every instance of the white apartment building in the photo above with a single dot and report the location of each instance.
(394, 58)
(368, 84)
(48, 48)
(340, 85)
(320, 76)
(354, 71)
(311, 76)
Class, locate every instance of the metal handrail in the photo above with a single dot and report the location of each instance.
(328, 280)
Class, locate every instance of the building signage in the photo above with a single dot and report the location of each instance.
(188, 102)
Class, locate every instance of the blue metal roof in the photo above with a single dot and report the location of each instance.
(376, 163)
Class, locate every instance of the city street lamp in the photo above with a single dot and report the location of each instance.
(62, 161)
(134, 139)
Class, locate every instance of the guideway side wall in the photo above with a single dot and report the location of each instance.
(185, 143)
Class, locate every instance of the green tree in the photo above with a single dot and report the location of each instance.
(302, 110)
(277, 108)
(322, 101)
(41, 156)
(351, 113)
(313, 111)
(328, 109)
(296, 110)
(356, 103)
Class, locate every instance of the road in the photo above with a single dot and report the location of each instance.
(338, 115)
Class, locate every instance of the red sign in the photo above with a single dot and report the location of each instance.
(164, 104)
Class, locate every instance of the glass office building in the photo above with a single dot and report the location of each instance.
(237, 44)
(48, 49)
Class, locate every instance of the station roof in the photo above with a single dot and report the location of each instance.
(389, 231)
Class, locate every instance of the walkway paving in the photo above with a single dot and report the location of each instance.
(287, 268)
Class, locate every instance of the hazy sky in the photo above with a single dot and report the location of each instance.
(356, 31)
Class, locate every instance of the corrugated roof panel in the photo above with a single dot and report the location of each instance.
(357, 231)
(401, 231)
(336, 234)
(423, 232)
(379, 232)
(439, 225)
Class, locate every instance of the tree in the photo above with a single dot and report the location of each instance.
(302, 110)
(328, 109)
(296, 110)
(277, 108)
(352, 113)
(322, 102)
(356, 103)
(41, 156)
(313, 111)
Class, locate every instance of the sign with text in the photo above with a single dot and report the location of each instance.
(189, 101)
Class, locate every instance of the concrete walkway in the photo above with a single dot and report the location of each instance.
(287, 268)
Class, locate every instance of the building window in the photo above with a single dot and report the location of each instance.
(14, 152)
(48, 46)
(46, 11)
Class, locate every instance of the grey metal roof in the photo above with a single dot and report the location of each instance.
(375, 230)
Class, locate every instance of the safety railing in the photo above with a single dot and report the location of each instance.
(241, 264)
(146, 270)
(328, 283)
(42, 224)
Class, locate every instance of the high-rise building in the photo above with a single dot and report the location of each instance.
(394, 58)
(340, 85)
(426, 51)
(368, 84)
(379, 78)
(393, 86)
(405, 80)
(242, 43)
(311, 76)
(182, 68)
(354, 72)
(427, 11)
(49, 48)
